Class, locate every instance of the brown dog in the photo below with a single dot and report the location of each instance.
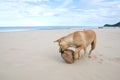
(79, 40)
(68, 56)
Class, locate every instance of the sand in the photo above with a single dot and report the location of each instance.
(32, 55)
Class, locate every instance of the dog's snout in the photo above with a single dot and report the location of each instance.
(61, 51)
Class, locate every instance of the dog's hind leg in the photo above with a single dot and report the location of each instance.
(93, 45)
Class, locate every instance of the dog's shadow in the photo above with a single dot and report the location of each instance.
(56, 56)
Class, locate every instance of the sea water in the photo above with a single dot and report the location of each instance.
(21, 28)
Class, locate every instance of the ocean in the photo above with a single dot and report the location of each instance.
(21, 28)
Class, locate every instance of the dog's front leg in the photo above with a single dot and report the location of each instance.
(77, 53)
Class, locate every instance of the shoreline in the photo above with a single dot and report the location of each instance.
(18, 29)
(21, 29)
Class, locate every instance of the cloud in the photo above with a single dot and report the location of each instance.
(31, 8)
(62, 11)
(66, 3)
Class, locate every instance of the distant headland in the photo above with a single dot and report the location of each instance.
(112, 25)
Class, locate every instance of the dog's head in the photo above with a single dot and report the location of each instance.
(63, 45)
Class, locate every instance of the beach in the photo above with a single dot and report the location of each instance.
(33, 55)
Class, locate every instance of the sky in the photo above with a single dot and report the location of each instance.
(59, 12)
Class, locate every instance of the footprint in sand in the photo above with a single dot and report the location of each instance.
(15, 49)
(98, 58)
(108, 59)
(116, 59)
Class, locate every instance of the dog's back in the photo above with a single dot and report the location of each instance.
(84, 37)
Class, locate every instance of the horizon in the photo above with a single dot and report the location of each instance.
(59, 12)
(28, 28)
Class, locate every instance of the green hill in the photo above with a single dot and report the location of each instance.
(113, 25)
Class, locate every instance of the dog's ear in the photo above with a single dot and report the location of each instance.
(57, 40)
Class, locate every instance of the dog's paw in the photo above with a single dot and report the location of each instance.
(89, 56)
